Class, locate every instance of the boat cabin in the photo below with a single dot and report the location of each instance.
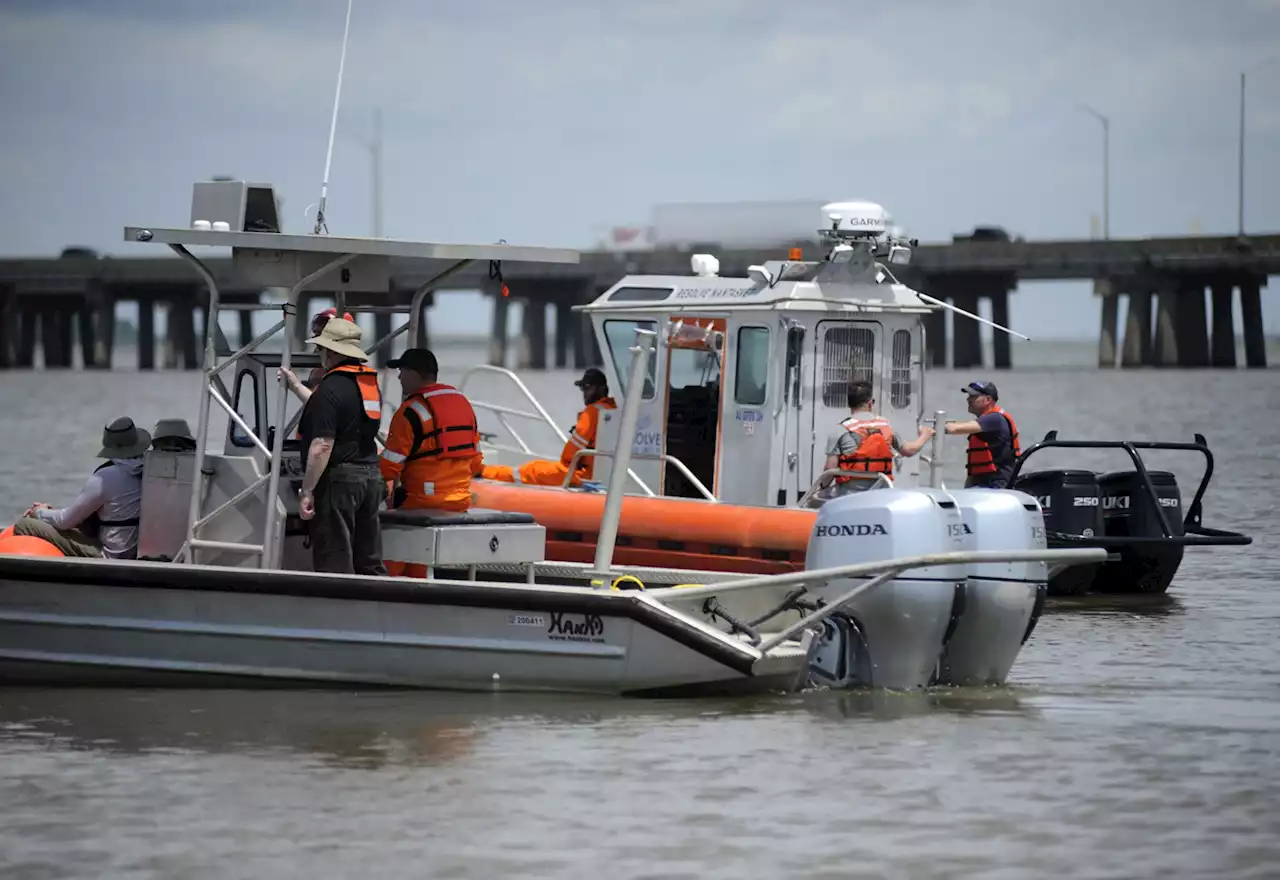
(750, 376)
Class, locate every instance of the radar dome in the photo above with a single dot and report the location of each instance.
(855, 218)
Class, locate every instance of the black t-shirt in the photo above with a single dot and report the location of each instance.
(336, 410)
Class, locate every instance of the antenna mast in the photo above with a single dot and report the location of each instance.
(333, 126)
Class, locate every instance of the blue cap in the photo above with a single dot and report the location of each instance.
(987, 388)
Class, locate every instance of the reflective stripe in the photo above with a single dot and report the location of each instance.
(373, 409)
(578, 440)
(440, 391)
(421, 409)
(393, 457)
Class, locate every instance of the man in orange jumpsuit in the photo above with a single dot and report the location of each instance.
(433, 444)
(540, 472)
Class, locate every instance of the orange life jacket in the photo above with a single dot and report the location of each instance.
(979, 460)
(583, 436)
(367, 380)
(434, 453)
(875, 448)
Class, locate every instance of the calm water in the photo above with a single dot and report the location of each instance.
(1132, 741)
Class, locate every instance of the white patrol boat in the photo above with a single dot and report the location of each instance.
(224, 596)
(750, 378)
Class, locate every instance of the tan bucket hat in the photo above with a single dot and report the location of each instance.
(341, 337)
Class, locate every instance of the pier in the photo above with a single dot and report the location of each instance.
(1178, 297)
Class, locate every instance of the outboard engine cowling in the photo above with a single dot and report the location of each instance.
(1127, 512)
(1004, 599)
(892, 636)
(1071, 501)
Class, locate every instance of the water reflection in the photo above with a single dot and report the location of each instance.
(378, 730)
(893, 706)
(1154, 605)
(336, 729)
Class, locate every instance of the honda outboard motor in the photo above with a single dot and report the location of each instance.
(1004, 599)
(1071, 501)
(1127, 512)
(892, 635)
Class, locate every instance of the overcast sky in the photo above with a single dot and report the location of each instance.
(548, 122)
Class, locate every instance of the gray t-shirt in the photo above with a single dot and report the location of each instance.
(844, 442)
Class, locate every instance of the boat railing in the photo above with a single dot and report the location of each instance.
(679, 465)
(877, 573)
(298, 262)
(1192, 524)
(877, 480)
(934, 457)
(502, 413)
(539, 415)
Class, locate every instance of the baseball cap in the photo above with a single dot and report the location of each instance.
(593, 377)
(987, 388)
(420, 360)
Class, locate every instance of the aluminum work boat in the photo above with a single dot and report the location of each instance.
(895, 591)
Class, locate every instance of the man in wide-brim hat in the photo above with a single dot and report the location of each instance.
(103, 518)
(342, 490)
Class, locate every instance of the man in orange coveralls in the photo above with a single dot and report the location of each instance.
(433, 445)
(540, 472)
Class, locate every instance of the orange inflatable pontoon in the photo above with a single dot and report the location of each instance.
(25, 545)
(660, 532)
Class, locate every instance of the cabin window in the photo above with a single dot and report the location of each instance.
(848, 355)
(693, 368)
(245, 403)
(900, 375)
(641, 294)
(751, 371)
(795, 351)
(620, 336)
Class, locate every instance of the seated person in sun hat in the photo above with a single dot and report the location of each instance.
(102, 521)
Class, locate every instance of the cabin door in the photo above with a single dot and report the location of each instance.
(748, 426)
(694, 369)
(843, 352)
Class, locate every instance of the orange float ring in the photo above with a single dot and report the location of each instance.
(660, 532)
(26, 545)
(6, 533)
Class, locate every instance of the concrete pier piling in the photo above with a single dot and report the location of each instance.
(1178, 295)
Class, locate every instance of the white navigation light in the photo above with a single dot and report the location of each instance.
(856, 218)
(704, 265)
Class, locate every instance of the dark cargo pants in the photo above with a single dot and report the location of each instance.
(346, 537)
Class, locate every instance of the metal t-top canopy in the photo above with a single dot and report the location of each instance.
(227, 214)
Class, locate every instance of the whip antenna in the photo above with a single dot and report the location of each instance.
(333, 126)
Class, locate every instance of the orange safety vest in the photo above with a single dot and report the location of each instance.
(367, 381)
(433, 448)
(583, 436)
(875, 449)
(979, 460)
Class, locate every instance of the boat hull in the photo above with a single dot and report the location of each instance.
(92, 622)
